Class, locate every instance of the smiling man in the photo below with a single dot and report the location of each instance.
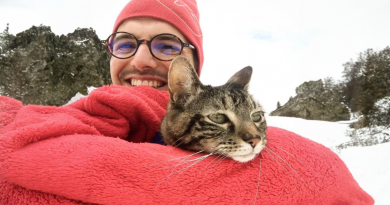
(144, 42)
(146, 62)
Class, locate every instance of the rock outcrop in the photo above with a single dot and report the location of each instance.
(313, 102)
(39, 67)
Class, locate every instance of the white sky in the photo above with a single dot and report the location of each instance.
(286, 42)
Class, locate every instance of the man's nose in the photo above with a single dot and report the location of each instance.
(143, 59)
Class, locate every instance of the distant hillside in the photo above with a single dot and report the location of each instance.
(364, 89)
(39, 67)
(315, 101)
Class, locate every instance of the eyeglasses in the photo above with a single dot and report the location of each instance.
(163, 47)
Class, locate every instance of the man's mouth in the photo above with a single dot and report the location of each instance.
(151, 83)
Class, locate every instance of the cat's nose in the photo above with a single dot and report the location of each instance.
(252, 140)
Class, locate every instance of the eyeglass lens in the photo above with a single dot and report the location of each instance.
(163, 47)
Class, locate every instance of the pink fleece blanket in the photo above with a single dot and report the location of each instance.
(94, 151)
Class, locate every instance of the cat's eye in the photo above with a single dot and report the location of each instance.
(218, 118)
(256, 117)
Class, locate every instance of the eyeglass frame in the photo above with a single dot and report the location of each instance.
(148, 43)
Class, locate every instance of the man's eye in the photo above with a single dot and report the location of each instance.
(167, 49)
(126, 46)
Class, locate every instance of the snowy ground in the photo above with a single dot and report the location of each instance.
(369, 165)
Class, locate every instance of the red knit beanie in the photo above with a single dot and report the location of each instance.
(183, 14)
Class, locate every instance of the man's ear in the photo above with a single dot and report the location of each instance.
(183, 81)
(241, 79)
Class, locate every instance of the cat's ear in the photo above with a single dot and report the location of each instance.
(183, 81)
(241, 79)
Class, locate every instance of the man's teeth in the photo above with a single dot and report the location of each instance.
(151, 83)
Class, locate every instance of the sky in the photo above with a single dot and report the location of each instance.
(286, 42)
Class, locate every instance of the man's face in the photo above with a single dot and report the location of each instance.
(143, 68)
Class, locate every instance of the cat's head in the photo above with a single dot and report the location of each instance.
(224, 120)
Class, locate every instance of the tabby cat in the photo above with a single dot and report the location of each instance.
(223, 120)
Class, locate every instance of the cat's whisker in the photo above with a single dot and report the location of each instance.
(183, 163)
(295, 158)
(219, 161)
(174, 145)
(218, 156)
(289, 166)
(188, 156)
(177, 158)
(258, 183)
(197, 160)
(285, 170)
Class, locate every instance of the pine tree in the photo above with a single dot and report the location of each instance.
(351, 85)
(376, 80)
(5, 40)
(278, 105)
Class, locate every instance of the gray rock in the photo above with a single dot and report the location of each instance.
(39, 67)
(313, 102)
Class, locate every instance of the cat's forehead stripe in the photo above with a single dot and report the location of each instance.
(253, 103)
(232, 116)
(224, 103)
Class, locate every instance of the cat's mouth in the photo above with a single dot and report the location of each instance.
(240, 157)
(244, 158)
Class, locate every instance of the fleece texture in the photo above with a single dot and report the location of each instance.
(96, 151)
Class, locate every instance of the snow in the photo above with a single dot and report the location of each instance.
(369, 135)
(75, 98)
(369, 165)
(383, 104)
(329, 134)
(80, 42)
(371, 169)
(79, 95)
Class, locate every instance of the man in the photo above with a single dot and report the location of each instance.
(177, 18)
(91, 151)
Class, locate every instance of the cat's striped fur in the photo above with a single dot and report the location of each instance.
(224, 120)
